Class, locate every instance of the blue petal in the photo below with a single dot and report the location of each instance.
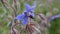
(34, 6)
(20, 17)
(30, 8)
(32, 14)
(54, 17)
(27, 7)
(25, 21)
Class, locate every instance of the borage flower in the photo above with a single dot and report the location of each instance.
(27, 13)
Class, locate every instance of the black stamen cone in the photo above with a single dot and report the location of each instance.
(31, 17)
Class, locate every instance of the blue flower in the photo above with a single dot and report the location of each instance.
(28, 12)
(54, 17)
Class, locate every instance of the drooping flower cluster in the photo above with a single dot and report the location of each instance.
(29, 12)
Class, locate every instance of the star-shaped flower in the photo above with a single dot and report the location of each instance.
(28, 12)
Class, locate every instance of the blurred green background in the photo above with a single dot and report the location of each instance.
(47, 7)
